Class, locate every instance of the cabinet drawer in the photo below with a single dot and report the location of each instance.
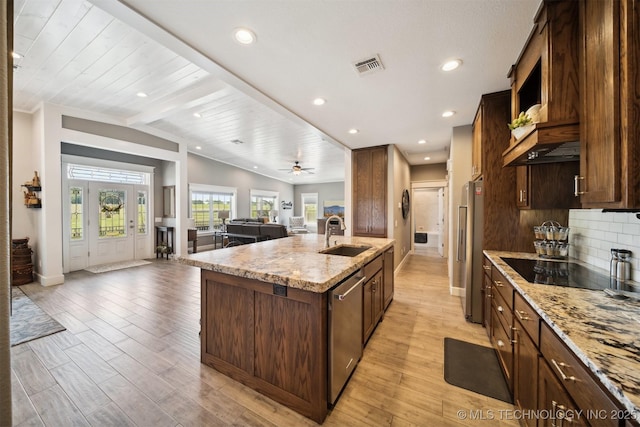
(502, 286)
(527, 317)
(574, 376)
(373, 267)
(501, 341)
(486, 266)
(503, 313)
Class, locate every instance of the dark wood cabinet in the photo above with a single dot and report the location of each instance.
(525, 357)
(610, 90)
(486, 295)
(547, 186)
(388, 276)
(373, 291)
(476, 151)
(370, 191)
(554, 398)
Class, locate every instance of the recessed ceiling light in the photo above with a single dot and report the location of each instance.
(427, 158)
(353, 131)
(197, 115)
(255, 167)
(422, 141)
(16, 55)
(319, 101)
(448, 113)
(451, 65)
(198, 147)
(244, 36)
(141, 95)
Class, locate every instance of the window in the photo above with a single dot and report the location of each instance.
(95, 173)
(211, 205)
(263, 203)
(310, 208)
(112, 213)
(142, 212)
(77, 211)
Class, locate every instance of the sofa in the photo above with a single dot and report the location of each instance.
(255, 228)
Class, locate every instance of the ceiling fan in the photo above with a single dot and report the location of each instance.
(296, 169)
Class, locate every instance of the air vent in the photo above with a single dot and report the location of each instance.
(236, 141)
(369, 65)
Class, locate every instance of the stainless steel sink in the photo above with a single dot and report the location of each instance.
(345, 250)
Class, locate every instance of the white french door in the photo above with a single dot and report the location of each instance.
(111, 222)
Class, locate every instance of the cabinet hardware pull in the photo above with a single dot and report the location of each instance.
(341, 297)
(522, 315)
(500, 309)
(576, 185)
(562, 374)
(498, 283)
(486, 267)
(500, 343)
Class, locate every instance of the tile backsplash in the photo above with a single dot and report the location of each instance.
(593, 233)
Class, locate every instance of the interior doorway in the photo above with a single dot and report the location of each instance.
(429, 225)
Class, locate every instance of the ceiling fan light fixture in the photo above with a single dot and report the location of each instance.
(244, 36)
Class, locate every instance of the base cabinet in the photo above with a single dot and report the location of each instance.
(555, 399)
(372, 308)
(388, 277)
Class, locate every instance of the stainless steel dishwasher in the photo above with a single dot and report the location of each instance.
(345, 331)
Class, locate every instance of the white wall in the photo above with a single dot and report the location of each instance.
(24, 220)
(593, 233)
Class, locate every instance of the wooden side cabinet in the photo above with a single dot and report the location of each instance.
(370, 191)
(610, 92)
(388, 276)
(476, 152)
(372, 306)
(547, 186)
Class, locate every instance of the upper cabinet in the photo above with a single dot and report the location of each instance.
(369, 167)
(547, 73)
(610, 85)
(476, 152)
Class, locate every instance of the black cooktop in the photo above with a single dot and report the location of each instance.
(562, 273)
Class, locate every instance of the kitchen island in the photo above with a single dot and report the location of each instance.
(264, 313)
(601, 332)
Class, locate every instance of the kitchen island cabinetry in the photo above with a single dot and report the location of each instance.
(555, 397)
(266, 320)
(372, 308)
(370, 191)
(610, 90)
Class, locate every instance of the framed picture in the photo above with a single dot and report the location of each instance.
(333, 207)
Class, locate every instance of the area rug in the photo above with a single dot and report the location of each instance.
(476, 368)
(28, 321)
(116, 266)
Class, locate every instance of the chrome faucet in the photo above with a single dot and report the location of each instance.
(327, 230)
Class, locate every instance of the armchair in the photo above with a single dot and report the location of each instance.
(296, 225)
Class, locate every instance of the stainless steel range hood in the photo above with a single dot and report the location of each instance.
(549, 142)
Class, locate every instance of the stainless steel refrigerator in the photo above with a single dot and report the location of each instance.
(469, 253)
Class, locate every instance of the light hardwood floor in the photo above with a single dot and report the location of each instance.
(130, 356)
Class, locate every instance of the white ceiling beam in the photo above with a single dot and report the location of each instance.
(205, 91)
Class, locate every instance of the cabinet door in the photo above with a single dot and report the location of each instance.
(378, 216)
(367, 311)
(522, 186)
(378, 295)
(610, 104)
(501, 340)
(388, 277)
(476, 153)
(525, 372)
(553, 397)
(362, 189)
(487, 295)
(370, 192)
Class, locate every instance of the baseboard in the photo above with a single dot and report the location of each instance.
(457, 292)
(49, 280)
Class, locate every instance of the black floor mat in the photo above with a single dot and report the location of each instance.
(476, 368)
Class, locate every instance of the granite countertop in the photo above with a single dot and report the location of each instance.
(603, 332)
(292, 261)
